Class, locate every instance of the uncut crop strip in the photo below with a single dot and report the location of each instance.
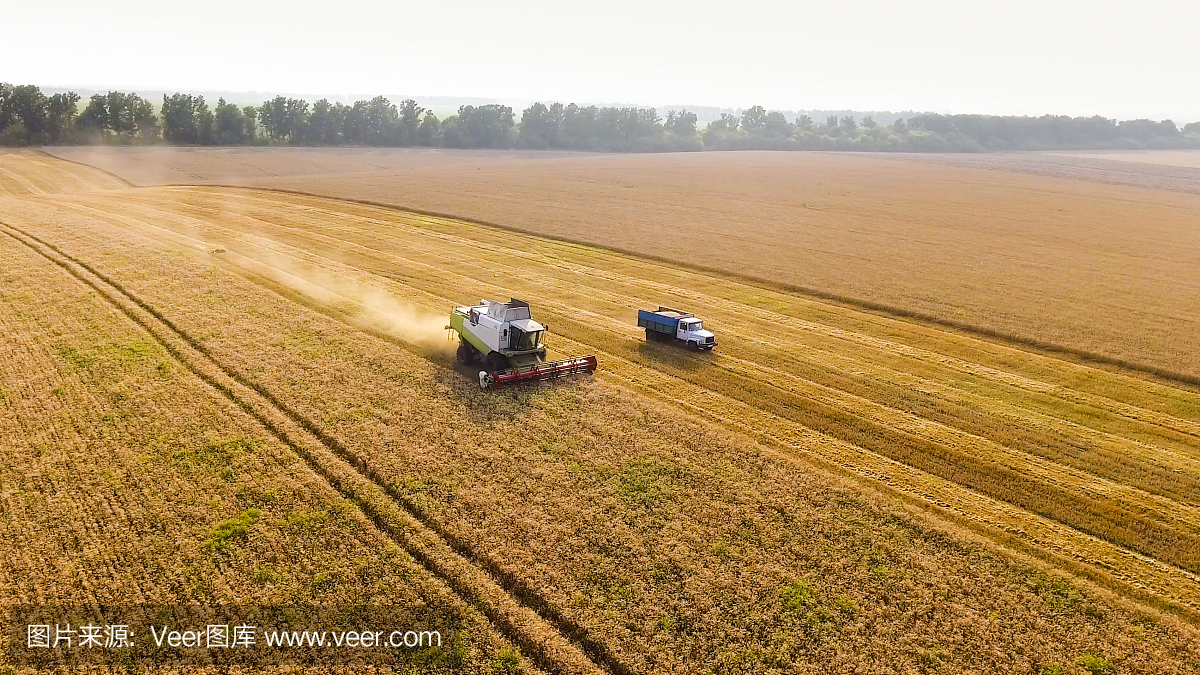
(672, 386)
(548, 645)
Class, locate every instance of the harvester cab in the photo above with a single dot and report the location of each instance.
(505, 340)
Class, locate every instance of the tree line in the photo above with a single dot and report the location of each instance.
(29, 117)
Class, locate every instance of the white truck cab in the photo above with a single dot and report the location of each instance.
(692, 330)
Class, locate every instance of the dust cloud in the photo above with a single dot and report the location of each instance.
(364, 305)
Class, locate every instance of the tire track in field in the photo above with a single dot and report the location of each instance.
(553, 643)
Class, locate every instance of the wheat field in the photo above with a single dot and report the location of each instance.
(1057, 260)
(833, 489)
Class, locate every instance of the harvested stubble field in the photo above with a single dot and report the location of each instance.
(127, 478)
(681, 512)
(1103, 269)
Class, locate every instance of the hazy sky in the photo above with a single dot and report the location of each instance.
(1119, 59)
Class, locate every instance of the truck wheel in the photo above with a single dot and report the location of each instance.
(650, 335)
(693, 345)
(465, 354)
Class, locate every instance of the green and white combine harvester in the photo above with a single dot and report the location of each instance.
(507, 342)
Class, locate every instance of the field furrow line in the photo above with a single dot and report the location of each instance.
(557, 648)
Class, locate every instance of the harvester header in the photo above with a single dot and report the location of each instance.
(508, 343)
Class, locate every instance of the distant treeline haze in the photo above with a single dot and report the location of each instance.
(29, 117)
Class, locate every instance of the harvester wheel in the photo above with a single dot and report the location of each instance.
(494, 362)
(465, 354)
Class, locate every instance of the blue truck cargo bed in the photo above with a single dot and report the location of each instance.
(654, 320)
(664, 320)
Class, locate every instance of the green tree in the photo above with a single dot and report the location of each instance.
(776, 125)
(539, 129)
(187, 120)
(28, 116)
(754, 119)
(485, 126)
(61, 112)
(250, 119)
(429, 133)
(284, 119)
(681, 124)
(28, 104)
(230, 124)
(325, 123)
(382, 122)
(120, 116)
(410, 121)
(847, 124)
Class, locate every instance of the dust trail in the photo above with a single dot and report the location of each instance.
(342, 288)
(366, 304)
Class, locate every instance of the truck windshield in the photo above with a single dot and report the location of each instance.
(694, 325)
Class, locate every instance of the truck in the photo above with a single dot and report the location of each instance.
(667, 325)
(507, 343)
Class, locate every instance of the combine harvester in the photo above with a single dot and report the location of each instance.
(508, 342)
